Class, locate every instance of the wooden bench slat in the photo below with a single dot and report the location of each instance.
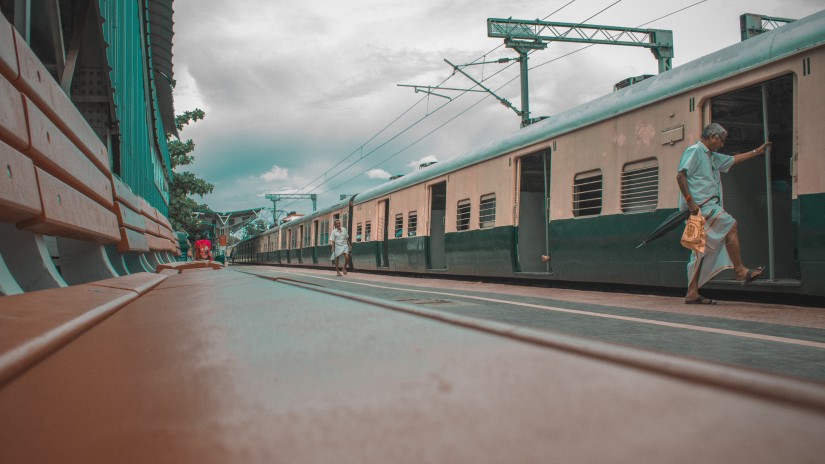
(35, 81)
(151, 227)
(186, 265)
(156, 243)
(19, 196)
(126, 217)
(53, 151)
(165, 233)
(148, 210)
(69, 213)
(34, 324)
(165, 221)
(131, 240)
(125, 195)
(8, 55)
(140, 282)
(13, 129)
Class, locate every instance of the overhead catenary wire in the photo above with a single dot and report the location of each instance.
(453, 118)
(360, 148)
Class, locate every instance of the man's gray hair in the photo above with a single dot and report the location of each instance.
(714, 129)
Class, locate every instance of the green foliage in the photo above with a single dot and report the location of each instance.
(255, 228)
(185, 184)
(187, 117)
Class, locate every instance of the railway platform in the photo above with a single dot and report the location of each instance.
(247, 364)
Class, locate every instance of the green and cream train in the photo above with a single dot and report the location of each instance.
(586, 186)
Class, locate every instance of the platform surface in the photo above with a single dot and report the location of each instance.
(217, 367)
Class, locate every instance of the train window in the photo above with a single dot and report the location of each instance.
(640, 186)
(307, 235)
(412, 224)
(283, 239)
(358, 232)
(399, 225)
(292, 238)
(587, 193)
(367, 231)
(344, 220)
(463, 215)
(324, 232)
(487, 211)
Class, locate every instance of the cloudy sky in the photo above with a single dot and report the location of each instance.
(302, 96)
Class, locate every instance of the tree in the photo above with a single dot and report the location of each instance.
(184, 184)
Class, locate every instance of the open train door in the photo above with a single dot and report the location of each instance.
(533, 218)
(436, 250)
(759, 193)
(383, 233)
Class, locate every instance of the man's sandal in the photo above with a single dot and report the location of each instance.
(701, 301)
(753, 274)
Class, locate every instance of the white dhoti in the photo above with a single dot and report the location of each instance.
(340, 249)
(338, 239)
(715, 259)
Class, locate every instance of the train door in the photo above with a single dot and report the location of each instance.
(758, 192)
(437, 258)
(289, 251)
(300, 243)
(533, 218)
(383, 230)
(315, 242)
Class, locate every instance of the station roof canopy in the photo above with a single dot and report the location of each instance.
(160, 36)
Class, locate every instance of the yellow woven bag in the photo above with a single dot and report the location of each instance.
(693, 238)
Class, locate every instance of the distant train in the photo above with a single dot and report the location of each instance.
(586, 186)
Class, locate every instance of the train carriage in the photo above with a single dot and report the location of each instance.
(305, 240)
(587, 185)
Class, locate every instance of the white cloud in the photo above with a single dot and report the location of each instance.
(276, 173)
(378, 174)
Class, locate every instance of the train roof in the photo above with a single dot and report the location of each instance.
(322, 212)
(770, 46)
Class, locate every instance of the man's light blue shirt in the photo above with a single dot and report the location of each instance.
(703, 169)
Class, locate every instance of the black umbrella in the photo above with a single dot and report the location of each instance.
(675, 219)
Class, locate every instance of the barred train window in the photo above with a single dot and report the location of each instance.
(412, 224)
(367, 231)
(324, 232)
(640, 186)
(463, 215)
(587, 193)
(358, 232)
(399, 225)
(487, 211)
(307, 234)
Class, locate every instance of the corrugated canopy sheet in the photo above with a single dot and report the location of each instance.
(161, 31)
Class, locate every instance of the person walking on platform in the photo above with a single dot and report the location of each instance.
(339, 240)
(699, 181)
(203, 249)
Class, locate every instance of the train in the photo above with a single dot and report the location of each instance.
(586, 186)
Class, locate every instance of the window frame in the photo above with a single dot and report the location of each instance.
(639, 191)
(398, 231)
(412, 223)
(490, 212)
(463, 213)
(587, 193)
